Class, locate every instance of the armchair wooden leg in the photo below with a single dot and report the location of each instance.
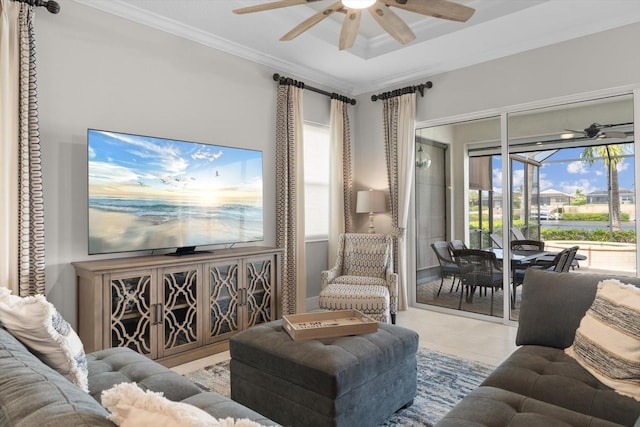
(393, 318)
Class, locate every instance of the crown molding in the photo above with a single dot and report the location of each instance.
(162, 23)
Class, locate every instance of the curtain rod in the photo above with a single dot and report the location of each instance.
(289, 81)
(51, 5)
(386, 95)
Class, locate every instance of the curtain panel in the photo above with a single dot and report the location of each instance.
(340, 175)
(290, 197)
(399, 117)
(22, 260)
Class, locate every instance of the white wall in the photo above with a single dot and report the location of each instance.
(99, 71)
(96, 70)
(596, 62)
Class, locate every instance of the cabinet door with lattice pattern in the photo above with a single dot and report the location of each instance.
(180, 322)
(223, 300)
(259, 290)
(130, 298)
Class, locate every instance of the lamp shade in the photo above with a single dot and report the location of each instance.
(371, 201)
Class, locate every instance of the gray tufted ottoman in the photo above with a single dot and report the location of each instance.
(356, 380)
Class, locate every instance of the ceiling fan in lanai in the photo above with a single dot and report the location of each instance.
(598, 131)
(380, 10)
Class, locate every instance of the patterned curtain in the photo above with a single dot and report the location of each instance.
(22, 256)
(399, 115)
(340, 175)
(290, 195)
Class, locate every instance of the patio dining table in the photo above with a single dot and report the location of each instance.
(520, 258)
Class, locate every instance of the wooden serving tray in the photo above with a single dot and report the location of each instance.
(328, 324)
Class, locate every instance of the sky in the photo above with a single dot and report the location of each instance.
(565, 172)
(124, 164)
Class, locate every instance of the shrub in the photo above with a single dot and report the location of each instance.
(599, 235)
(573, 216)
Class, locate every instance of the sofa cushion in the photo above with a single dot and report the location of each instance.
(130, 406)
(553, 304)
(121, 364)
(607, 342)
(549, 375)
(33, 394)
(39, 326)
(493, 407)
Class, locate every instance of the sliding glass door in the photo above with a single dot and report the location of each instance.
(562, 175)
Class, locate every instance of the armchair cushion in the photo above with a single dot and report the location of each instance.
(363, 258)
(371, 300)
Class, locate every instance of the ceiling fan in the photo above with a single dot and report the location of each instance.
(379, 9)
(596, 131)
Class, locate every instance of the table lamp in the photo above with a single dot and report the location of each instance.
(371, 202)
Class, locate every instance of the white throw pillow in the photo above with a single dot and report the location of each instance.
(38, 325)
(607, 342)
(131, 406)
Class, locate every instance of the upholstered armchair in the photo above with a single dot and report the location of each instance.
(362, 277)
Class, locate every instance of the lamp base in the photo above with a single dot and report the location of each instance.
(371, 229)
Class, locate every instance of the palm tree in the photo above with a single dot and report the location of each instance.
(611, 155)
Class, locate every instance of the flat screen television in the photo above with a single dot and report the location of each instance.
(147, 193)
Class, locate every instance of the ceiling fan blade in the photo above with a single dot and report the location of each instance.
(272, 5)
(391, 23)
(437, 8)
(350, 27)
(310, 22)
(613, 134)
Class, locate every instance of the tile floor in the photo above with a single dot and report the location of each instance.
(466, 338)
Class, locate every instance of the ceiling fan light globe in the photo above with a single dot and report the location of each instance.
(358, 4)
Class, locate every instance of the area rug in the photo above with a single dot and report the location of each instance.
(443, 380)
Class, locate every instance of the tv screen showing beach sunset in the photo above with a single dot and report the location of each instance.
(151, 193)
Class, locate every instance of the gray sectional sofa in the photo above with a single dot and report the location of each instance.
(539, 385)
(34, 395)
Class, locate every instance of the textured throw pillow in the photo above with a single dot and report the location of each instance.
(38, 325)
(607, 342)
(130, 406)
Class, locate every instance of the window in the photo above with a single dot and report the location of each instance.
(316, 181)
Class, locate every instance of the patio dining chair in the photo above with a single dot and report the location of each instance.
(561, 263)
(448, 267)
(527, 245)
(478, 269)
(457, 244)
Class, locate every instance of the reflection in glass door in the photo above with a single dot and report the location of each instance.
(437, 225)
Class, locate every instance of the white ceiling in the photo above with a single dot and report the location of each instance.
(498, 28)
